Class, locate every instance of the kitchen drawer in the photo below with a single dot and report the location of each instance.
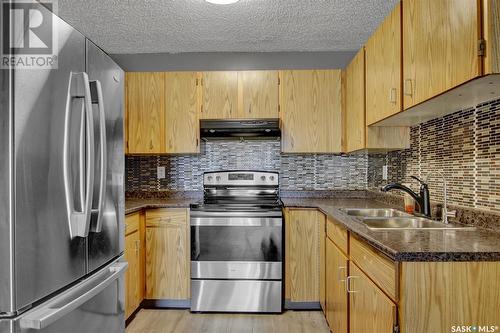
(131, 223)
(337, 234)
(161, 216)
(378, 267)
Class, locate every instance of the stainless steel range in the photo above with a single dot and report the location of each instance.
(236, 244)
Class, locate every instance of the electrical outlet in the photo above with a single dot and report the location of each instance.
(160, 172)
(384, 172)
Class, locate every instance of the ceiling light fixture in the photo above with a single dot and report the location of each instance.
(222, 2)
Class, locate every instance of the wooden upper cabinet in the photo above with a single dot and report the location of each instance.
(383, 69)
(440, 46)
(145, 93)
(311, 111)
(220, 95)
(181, 112)
(258, 94)
(355, 103)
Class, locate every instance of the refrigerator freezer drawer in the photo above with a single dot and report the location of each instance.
(94, 305)
(236, 296)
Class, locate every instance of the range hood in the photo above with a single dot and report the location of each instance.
(245, 129)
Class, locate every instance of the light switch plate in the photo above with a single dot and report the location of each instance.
(160, 172)
(384, 172)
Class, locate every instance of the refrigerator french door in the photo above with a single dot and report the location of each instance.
(61, 188)
(107, 234)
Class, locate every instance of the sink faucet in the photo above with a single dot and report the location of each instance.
(423, 199)
(446, 213)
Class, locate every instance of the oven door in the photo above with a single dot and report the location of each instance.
(236, 245)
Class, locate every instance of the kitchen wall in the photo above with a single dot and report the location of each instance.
(297, 172)
(464, 146)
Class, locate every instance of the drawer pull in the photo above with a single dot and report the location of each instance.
(392, 95)
(340, 269)
(348, 284)
(408, 87)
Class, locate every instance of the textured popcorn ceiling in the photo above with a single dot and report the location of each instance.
(174, 26)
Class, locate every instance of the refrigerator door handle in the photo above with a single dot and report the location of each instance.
(96, 87)
(60, 306)
(79, 221)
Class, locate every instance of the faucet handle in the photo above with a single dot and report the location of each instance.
(419, 180)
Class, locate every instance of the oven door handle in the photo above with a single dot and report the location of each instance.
(233, 214)
(236, 221)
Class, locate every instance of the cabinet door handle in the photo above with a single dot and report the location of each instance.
(137, 245)
(392, 95)
(340, 269)
(250, 109)
(408, 87)
(348, 284)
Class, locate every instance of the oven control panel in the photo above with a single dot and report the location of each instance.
(245, 178)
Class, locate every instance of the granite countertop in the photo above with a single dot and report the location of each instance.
(410, 245)
(133, 205)
(400, 245)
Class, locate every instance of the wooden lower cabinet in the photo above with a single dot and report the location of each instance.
(322, 260)
(167, 254)
(336, 294)
(380, 295)
(438, 295)
(370, 310)
(134, 284)
(302, 255)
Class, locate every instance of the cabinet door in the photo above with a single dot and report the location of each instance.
(322, 260)
(302, 256)
(336, 294)
(383, 69)
(145, 112)
(181, 112)
(132, 296)
(167, 255)
(370, 310)
(440, 46)
(258, 94)
(355, 103)
(311, 111)
(220, 95)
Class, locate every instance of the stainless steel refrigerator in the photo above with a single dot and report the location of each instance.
(61, 192)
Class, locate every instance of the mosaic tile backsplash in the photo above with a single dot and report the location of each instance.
(297, 172)
(463, 146)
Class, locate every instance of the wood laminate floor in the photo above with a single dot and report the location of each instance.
(180, 321)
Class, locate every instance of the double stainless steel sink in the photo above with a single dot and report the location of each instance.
(389, 219)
